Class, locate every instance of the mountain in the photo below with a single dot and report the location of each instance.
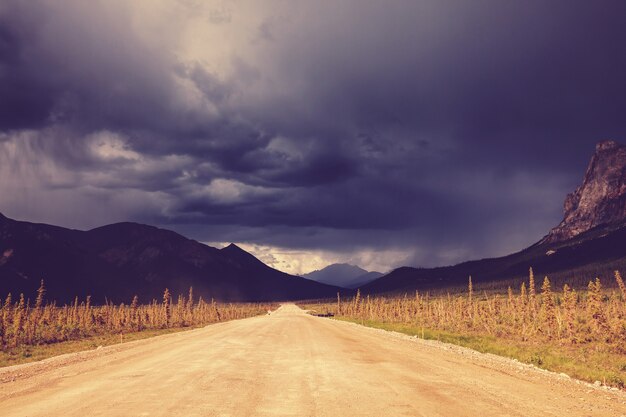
(343, 275)
(121, 260)
(589, 242)
(600, 199)
(363, 280)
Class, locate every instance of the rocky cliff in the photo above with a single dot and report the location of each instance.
(601, 199)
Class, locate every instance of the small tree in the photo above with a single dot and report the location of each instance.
(594, 304)
(338, 304)
(166, 307)
(532, 291)
(547, 306)
(18, 320)
(40, 293)
(620, 284)
(134, 316)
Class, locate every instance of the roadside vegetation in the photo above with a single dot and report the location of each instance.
(581, 333)
(34, 331)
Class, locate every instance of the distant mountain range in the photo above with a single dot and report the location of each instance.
(589, 242)
(343, 275)
(122, 260)
(126, 259)
(595, 253)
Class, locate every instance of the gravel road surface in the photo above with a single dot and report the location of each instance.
(293, 364)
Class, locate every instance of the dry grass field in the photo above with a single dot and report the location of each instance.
(34, 331)
(581, 333)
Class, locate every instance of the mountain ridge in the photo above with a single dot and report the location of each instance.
(344, 275)
(121, 260)
(595, 253)
(591, 236)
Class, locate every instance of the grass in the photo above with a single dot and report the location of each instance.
(28, 330)
(584, 364)
(33, 353)
(578, 332)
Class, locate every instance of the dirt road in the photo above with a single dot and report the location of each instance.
(292, 364)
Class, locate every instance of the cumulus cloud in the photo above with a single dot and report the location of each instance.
(421, 133)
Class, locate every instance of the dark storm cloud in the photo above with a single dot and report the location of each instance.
(60, 68)
(454, 128)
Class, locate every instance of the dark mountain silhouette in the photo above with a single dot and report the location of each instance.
(126, 259)
(597, 252)
(364, 279)
(589, 242)
(343, 275)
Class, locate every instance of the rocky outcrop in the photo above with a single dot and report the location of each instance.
(601, 199)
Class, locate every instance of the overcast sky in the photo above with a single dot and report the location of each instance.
(382, 133)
